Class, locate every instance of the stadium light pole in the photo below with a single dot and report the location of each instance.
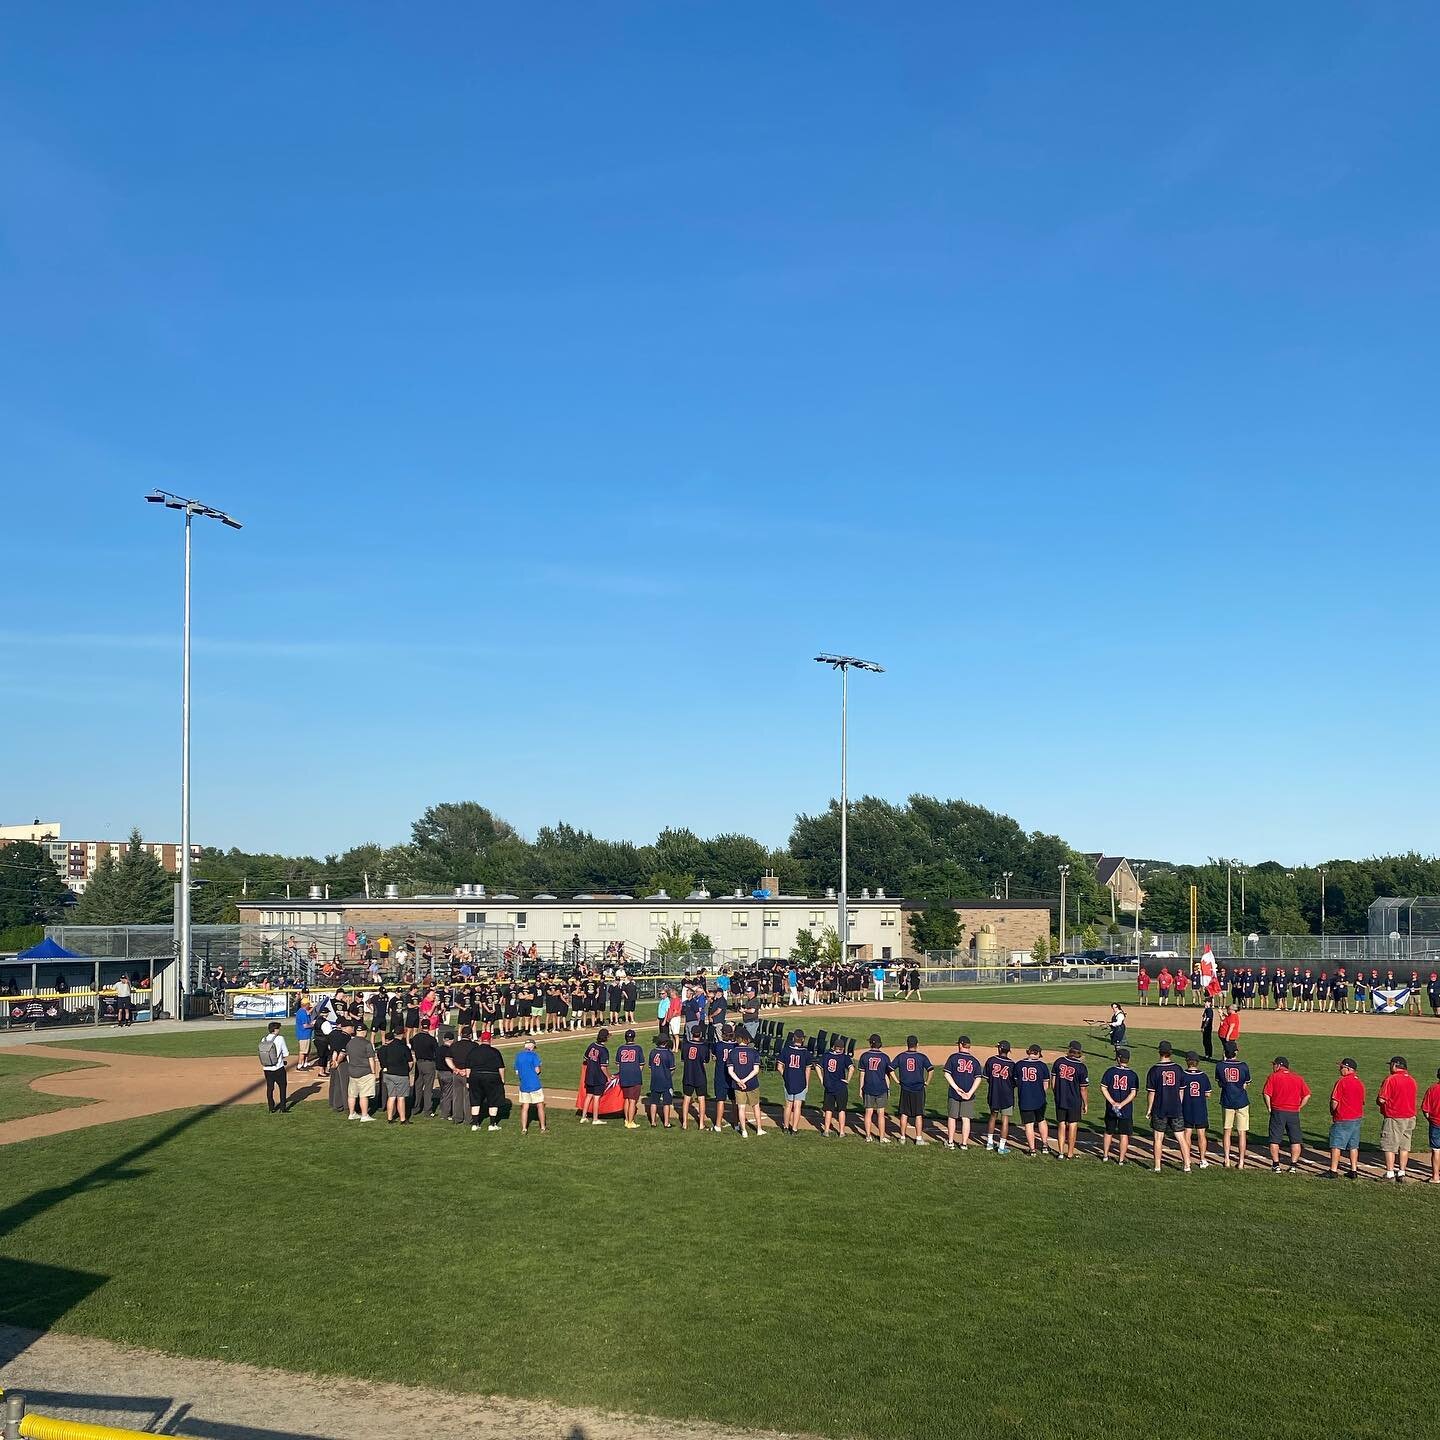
(844, 664)
(1006, 878)
(191, 508)
(1139, 868)
(1064, 871)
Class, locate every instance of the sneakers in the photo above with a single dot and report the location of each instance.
(921, 1140)
(1001, 1149)
(474, 1129)
(1204, 1164)
(719, 1129)
(884, 1139)
(493, 1126)
(632, 1124)
(1389, 1174)
(1294, 1170)
(1274, 1169)
(354, 1115)
(989, 1142)
(599, 1122)
(759, 1133)
(367, 1119)
(949, 1144)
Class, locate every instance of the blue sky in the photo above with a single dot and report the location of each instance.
(580, 371)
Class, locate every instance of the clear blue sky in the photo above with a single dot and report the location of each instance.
(580, 370)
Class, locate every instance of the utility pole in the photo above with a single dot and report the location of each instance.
(1322, 912)
(1139, 892)
(1229, 928)
(1064, 871)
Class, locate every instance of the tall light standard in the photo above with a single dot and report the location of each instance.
(1322, 913)
(1229, 874)
(191, 508)
(1139, 893)
(1064, 871)
(1005, 876)
(844, 664)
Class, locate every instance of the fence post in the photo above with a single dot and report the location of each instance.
(14, 1414)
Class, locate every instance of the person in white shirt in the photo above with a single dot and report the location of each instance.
(274, 1056)
(124, 1012)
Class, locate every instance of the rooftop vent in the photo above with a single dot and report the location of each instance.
(698, 895)
(461, 891)
(879, 892)
(865, 893)
(739, 893)
(829, 892)
(507, 897)
(316, 893)
(658, 895)
(392, 891)
(546, 897)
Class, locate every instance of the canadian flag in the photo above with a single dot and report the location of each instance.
(1209, 977)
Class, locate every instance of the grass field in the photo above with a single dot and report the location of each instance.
(1059, 992)
(17, 1099)
(838, 1288)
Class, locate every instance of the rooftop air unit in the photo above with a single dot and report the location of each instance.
(316, 893)
(879, 892)
(392, 891)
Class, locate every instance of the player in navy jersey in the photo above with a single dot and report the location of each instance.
(721, 1053)
(835, 1076)
(999, 1072)
(1119, 1085)
(874, 1067)
(1195, 1109)
(912, 1068)
(661, 1064)
(1307, 991)
(694, 1058)
(794, 1064)
(1163, 1086)
(597, 1077)
(1071, 1078)
(744, 1067)
(1032, 1094)
(1233, 1076)
(630, 1069)
(962, 1080)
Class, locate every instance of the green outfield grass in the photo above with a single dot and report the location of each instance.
(1057, 992)
(830, 1287)
(17, 1099)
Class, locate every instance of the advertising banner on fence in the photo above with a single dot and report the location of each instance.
(34, 1012)
(271, 1005)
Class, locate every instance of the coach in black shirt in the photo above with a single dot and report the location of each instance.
(427, 1054)
(487, 1084)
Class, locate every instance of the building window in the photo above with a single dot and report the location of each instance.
(606, 919)
(474, 917)
(692, 917)
(741, 954)
(817, 917)
(659, 919)
(770, 952)
(570, 920)
(739, 919)
(517, 919)
(772, 919)
(884, 952)
(887, 917)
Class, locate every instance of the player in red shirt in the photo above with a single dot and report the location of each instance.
(1286, 1095)
(1142, 984)
(1347, 1108)
(1397, 1100)
(1430, 1109)
(1182, 985)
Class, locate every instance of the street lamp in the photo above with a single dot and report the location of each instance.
(191, 508)
(1139, 869)
(1064, 871)
(1005, 876)
(844, 664)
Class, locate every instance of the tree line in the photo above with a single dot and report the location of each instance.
(925, 848)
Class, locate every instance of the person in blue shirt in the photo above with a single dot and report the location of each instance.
(1164, 1084)
(662, 1082)
(835, 1076)
(744, 1068)
(694, 1057)
(1070, 1082)
(1119, 1085)
(794, 1064)
(912, 1067)
(1032, 1092)
(630, 1070)
(877, 975)
(1233, 1077)
(724, 1043)
(962, 1080)
(1000, 1097)
(527, 1077)
(1195, 1109)
(304, 1031)
(874, 1067)
(596, 1078)
(792, 984)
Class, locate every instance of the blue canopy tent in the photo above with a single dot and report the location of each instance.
(47, 949)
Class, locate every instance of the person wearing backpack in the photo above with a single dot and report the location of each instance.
(273, 1058)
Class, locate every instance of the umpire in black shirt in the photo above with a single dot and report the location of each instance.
(487, 1083)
